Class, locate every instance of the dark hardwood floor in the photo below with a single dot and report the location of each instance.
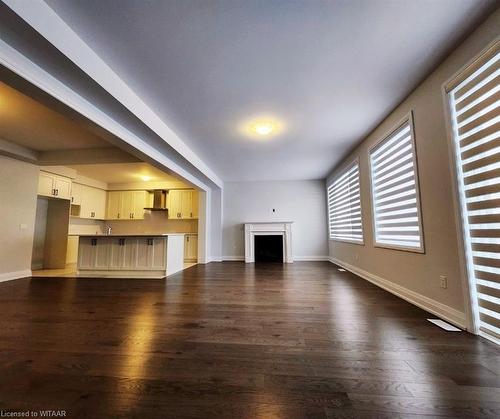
(237, 341)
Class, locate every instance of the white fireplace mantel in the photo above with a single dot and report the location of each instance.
(282, 228)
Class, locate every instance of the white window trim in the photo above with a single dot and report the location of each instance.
(338, 173)
(421, 249)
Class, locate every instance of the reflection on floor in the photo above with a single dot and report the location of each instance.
(235, 340)
(70, 272)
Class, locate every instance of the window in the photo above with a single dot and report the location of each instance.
(344, 206)
(394, 180)
(474, 98)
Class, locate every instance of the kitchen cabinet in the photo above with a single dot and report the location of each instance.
(191, 248)
(127, 253)
(151, 253)
(76, 194)
(54, 186)
(93, 253)
(182, 204)
(93, 203)
(126, 205)
(122, 253)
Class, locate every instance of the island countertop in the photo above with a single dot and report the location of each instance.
(130, 235)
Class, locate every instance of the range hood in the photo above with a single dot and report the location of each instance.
(159, 200)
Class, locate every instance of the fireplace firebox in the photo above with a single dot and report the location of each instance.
(269, 248)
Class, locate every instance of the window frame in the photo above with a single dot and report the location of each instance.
(461, 223)
(339, 173)
(407, 118)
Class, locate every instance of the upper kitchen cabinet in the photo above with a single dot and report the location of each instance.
(93, 203)
(182, 204)
(76, 194)
(127, 205)
(54, 186)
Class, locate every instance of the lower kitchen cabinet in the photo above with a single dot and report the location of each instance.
(93, 253)
(151, 253)
(122, 253)
(191, 248)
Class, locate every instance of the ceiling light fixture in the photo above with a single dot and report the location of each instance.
(146, 178)
(263, 127)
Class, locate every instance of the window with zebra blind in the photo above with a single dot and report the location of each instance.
(474, 99)
(394, 184)
(344, 206)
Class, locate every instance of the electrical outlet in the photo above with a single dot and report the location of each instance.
(356, 257)
(23, 226)
(443, 281)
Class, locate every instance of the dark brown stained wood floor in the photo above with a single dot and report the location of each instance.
(229, 340)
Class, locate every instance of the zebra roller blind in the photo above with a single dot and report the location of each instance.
(475, 112)
(344, 206)
(396, 207)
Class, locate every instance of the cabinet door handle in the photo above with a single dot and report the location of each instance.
(72, 199)
(57, 192)
(187, 238)
(191, 215)
(93, 242)
(118, 215)
(53, 192)
(132, 215)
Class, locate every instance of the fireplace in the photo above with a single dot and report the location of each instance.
(282, 232)
(268, 248)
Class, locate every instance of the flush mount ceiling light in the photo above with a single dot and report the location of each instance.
(261, 127)
(146, 178)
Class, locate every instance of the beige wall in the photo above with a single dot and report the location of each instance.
(420, 273)
(18, 190)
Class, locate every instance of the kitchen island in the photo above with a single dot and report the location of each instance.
(130, 255)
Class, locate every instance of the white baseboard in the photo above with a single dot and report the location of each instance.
(441, 310)
(233, 258)
(295, 258)
(9, 276)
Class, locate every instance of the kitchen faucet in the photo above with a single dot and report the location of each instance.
(108, 230)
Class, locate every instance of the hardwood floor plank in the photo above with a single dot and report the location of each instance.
(230, 340)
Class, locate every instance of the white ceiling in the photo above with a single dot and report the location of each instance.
(330, 71)
(27, 122)
(122, 172)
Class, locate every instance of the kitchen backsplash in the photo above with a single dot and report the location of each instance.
(153, 222)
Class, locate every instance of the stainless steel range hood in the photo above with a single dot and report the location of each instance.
(159, 200)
